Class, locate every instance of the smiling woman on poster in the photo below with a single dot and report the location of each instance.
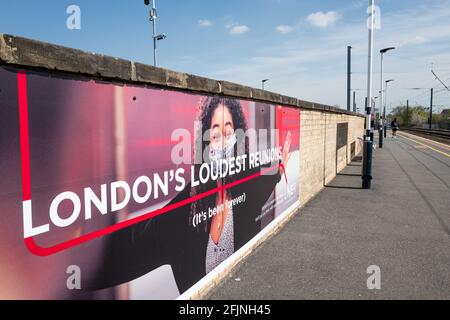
(177, 238)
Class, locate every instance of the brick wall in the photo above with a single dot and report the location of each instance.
(320, 160)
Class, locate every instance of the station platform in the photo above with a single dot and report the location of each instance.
(401, 225)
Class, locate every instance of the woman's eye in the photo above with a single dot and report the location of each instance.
(216, 136)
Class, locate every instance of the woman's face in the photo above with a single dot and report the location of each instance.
(222, 126)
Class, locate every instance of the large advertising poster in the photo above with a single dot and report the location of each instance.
(115, 191)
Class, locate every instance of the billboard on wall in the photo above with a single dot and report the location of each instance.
(115, 191)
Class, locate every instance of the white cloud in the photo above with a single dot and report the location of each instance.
(411, 42)
(204, 23)
(236, 28)
(230, 24)
(239, 29)
(323, 20)
(283, 29)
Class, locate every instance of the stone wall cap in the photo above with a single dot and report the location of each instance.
(33, 54)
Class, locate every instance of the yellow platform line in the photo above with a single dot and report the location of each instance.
(423, 144)
(446, 146)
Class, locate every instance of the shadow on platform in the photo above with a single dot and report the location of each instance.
(349, 177)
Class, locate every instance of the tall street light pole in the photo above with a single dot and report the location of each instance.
(263, 82)
(407, 113)
(156, 37)
(383, 125)
(431, 109)
(385, 101)
(349, 76)
(380, 119)
(368, 143)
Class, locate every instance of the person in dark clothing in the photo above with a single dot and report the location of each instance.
(395, 127)
(172, 238)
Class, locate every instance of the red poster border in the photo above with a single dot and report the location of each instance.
(32, 246)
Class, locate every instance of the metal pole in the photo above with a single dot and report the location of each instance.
(380, 130)
(368, 143)
(349, 76)
(382, 114)
(407, 112)
(369, 69)
(365, 106)
(262, 84)
(154, 17)
(384, 109)
(354, 101)
(431, 109)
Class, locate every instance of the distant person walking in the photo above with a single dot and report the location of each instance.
(395, 127)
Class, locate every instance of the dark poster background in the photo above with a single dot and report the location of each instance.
(84, 134)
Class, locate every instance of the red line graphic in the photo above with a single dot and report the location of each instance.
(26, 186)
(24, 134)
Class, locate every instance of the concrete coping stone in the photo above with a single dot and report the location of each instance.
(36, 55)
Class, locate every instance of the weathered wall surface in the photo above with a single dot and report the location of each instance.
(321, 158)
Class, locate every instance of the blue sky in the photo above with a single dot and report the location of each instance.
(299, 44)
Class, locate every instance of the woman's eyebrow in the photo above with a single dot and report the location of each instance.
(229, 123)
(215, 126)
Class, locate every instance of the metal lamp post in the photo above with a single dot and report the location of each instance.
(368, 143)
(349, 76)
(383, 126)
(156, 37)
(384, 107)
(263, 82)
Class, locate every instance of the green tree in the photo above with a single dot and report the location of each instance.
(414, 116)
(444, 119)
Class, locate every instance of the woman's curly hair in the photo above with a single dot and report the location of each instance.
(207, 107)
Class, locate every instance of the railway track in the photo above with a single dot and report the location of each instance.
(440, 134)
